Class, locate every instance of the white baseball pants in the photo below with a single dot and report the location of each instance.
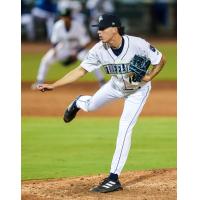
(133, 105)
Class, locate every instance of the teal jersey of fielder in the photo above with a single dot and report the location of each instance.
(101, 55)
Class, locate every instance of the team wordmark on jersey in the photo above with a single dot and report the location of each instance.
(116, 68)
(138, 61)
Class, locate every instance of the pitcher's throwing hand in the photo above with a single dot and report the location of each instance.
(45, 87)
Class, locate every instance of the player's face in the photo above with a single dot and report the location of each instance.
(107, 34)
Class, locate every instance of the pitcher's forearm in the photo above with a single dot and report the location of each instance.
(70, 77)
(156, 70)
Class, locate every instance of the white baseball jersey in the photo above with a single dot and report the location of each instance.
(118, 66)
(76, 36)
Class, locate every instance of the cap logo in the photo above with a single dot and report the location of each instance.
(100, 18)
(113, 23)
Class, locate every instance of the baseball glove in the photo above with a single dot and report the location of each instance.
(138, 68)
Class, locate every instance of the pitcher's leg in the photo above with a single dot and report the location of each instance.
(90, 103)
(132, 108)
(105, 94)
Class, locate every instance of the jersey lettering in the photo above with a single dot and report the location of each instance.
(116, 68)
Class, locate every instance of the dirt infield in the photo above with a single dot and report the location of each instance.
(161, 102)
(137, 185)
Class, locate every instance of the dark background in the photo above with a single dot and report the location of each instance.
(154, 18)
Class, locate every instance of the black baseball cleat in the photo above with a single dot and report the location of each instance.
(107, 185)
(71, 111)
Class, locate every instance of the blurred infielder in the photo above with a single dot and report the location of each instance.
(70, 41)
(126, 59)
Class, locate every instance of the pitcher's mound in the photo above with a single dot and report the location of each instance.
(138, 185)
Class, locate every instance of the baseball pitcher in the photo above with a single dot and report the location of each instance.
(126, 59)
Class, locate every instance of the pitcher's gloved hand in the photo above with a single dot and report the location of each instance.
(138, 68)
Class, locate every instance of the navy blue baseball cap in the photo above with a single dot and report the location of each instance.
(108, 20)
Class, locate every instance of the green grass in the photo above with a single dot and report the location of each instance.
(30, 63)
(52, 149)
(169, 72)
